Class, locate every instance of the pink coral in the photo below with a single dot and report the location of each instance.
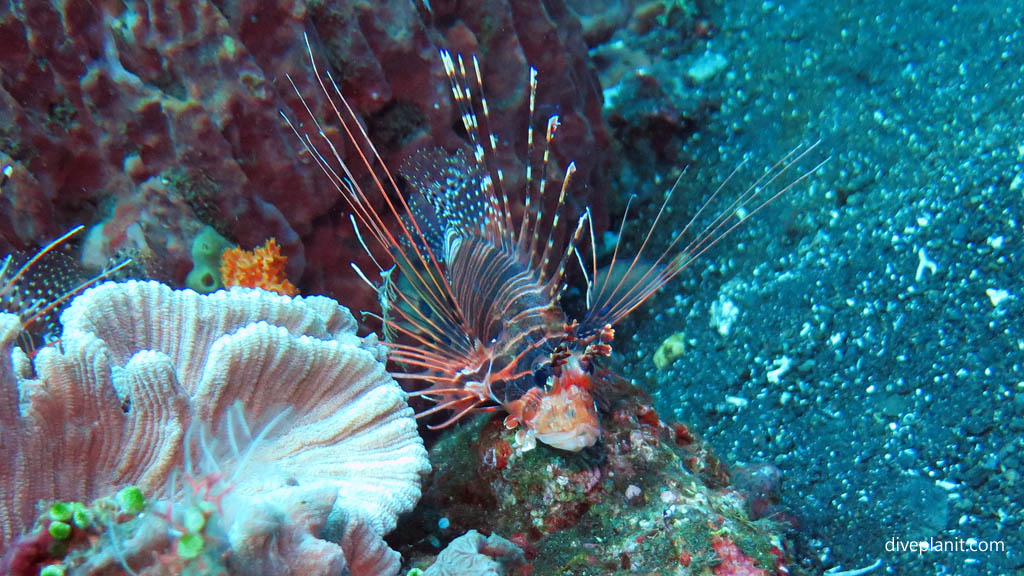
(338, 460)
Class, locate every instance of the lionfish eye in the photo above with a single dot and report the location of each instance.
(540, 375)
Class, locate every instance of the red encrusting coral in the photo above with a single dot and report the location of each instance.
(497, 455)
(262, 267)
(733, 561)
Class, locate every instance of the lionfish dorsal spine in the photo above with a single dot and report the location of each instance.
(549, 137)
(558, 284)
(527, 244)
(463, 88)
(432, 311)
(524, 223)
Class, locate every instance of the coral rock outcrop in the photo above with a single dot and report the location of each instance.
(148, 120)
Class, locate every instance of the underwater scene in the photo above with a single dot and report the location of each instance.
(511, 287)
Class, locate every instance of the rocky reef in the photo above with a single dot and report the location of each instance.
(650, 498)
(146, 121)
(157, 124)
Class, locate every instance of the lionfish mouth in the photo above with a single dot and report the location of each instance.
(563, 415)
(476, 271)
(572, 440)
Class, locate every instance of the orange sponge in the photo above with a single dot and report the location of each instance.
(263, 268)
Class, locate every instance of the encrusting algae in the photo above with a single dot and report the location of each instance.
(671, 348)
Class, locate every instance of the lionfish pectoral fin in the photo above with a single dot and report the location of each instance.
(455, 417)
(42, 284)
(615, 300)
(626, 278)
(408, 312)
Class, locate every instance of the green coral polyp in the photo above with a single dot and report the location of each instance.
(81, 516)
(131, 500)
(52, 570)
(61, 511)
(190, 546)
(195, 520)
(60, 530)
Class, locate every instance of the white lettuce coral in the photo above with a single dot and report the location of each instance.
(140, 364)
(479, 555)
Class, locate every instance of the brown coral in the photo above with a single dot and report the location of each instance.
(262, 267)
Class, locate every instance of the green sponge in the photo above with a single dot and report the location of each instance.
(206, 251)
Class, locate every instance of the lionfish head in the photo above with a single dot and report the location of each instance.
(562, 415)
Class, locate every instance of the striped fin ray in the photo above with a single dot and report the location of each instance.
(495, 289)
(483, 142)
(525, 241)
(625, 285)
(423, 310)
(36, 287)
(524, 225)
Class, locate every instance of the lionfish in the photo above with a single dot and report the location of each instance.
(471, 300)
(36, 286)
